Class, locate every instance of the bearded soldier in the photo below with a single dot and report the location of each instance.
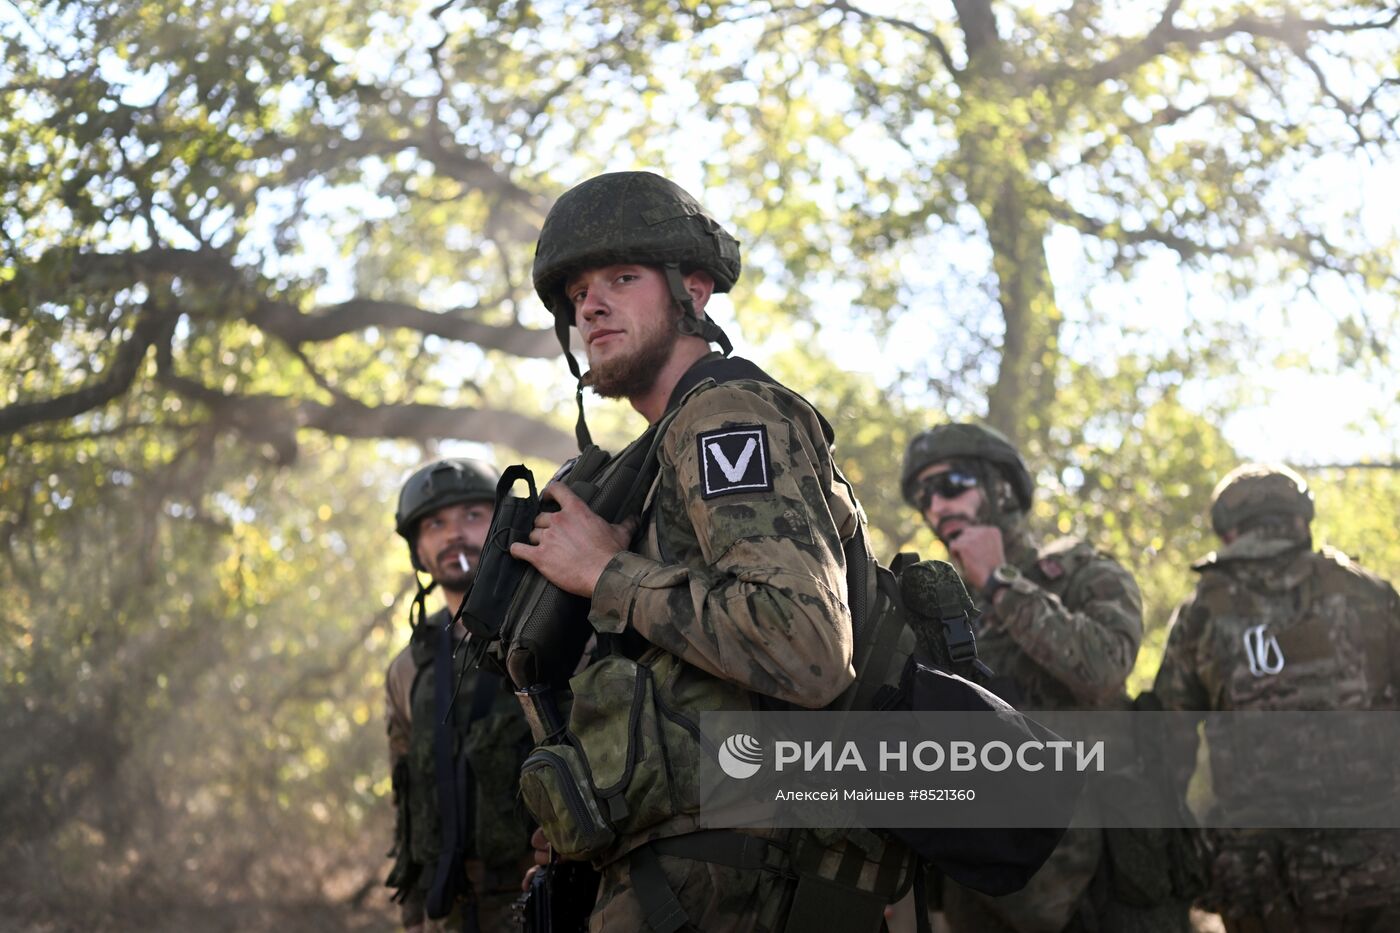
(729, 591)
(460, 838)
(1275, 625)
(1060, 626)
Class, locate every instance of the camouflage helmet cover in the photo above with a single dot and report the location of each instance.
(629, 217)
(1258, 489)
(965, 442)
(438, 484)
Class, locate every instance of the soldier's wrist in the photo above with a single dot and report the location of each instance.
(998, 581)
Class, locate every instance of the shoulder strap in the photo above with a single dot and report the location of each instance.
(443, 890)
(724, 369)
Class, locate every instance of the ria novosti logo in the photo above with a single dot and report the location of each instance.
(741, 756)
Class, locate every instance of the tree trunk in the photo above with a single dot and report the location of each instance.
(1025, 384)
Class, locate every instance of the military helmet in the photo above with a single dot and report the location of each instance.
(629, 217)
(965, 442)
(1258, 489)
(446, 482)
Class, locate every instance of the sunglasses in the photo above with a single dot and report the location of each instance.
(947, 485)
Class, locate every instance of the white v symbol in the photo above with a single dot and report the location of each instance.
(734, 471)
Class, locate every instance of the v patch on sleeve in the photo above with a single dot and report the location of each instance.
(734, 460)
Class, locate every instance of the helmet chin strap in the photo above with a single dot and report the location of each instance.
(999, 506)
(418, 610)
(561, 330)
(691, 324)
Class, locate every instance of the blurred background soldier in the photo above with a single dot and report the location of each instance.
(1275, 625)
(1060, 628)
(461, 841)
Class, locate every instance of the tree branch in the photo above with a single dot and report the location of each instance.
(434, 422)
(1364, 465)
(152, 328)
(928, 35)
(979, 26)
(275, 419)
(1183, 246)
(1164, 35)
(295, 328)
(282, 319)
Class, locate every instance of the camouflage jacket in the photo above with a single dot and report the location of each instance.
(1066, 634)
(740, 572)
(1336, 627)
(737, 570)
(1275, 626)
(1063, 636)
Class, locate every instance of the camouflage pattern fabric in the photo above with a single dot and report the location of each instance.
(746, 590)
(1067, 633)
(499, 853)
(1063, 636)
(749, 587)
(716, 898)
(1333, 637)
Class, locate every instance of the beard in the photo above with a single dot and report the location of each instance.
(631, 374)
(448, 573)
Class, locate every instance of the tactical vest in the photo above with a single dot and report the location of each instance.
(1306, 631)
(1324, 642)
(461, 778)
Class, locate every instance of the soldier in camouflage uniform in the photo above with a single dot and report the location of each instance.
(1275, 625)
(1060, 627)
(443, 513)
(731, 587)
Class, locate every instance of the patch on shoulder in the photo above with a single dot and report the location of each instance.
(1062, 556)
(734, 459)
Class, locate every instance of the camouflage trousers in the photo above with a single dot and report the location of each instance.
(716, 898)
(1331, 881)
(1375, 920)
(966, 912)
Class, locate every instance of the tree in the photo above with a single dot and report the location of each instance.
(885, 139)
(161, 204)
(244, 246)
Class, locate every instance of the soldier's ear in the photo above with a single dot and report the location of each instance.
(700, 285)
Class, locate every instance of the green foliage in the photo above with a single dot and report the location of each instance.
(243, 245)
(1131, 470)
(190, 666)
(1356, 512)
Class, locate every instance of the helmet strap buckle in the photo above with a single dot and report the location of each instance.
(691, 324)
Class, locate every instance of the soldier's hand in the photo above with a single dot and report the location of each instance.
(541, 846)
(542, 856)
(572, 546)
(978, 551)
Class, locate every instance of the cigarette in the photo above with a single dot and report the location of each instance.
(462, 562)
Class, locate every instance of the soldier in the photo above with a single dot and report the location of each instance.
(1275, 625)
(1060, 627)
(461, 843)
(728, 593)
